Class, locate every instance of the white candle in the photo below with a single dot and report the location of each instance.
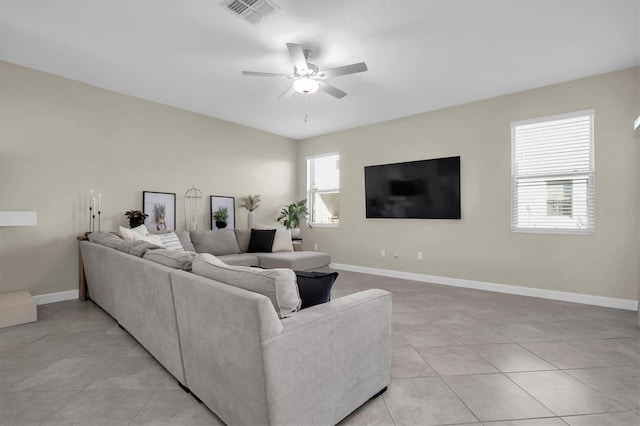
(90, 198)
(99, 202)
(93, 203)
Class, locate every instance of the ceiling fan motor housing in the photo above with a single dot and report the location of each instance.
(311, 70)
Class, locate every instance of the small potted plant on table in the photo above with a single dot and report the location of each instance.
(136, 218)
(291, 215)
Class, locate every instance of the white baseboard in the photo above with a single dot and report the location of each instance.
(586, 299)
(61, 296)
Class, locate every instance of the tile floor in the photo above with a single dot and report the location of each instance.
(460, 356)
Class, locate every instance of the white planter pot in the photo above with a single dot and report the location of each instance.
(295, 232)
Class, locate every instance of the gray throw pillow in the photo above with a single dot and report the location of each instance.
(217, 242)
(171, 258)
(108, 239)
(139, 248)
(279, 285)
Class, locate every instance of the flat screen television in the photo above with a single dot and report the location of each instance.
(426, 189)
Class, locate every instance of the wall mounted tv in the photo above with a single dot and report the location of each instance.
(426, 189)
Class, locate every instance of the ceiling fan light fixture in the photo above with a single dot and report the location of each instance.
(306, 85)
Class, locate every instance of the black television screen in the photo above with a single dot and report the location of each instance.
(426, 189)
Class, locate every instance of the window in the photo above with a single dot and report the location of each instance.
(552, 174)
(323, 189)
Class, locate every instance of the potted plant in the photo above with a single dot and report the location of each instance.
(291, 215)
(220, 216)
(251, 202)
(136, 218)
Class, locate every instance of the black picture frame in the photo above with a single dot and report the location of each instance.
(167, 222)
(217, 201)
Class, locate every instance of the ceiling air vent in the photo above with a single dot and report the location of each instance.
(251, 10)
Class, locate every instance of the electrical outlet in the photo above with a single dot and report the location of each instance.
(383, 253)
(315, 247)
(419, 255)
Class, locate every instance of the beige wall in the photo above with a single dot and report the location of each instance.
(59, 138)
(481, 246)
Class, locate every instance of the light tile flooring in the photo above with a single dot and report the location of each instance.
(460, 356)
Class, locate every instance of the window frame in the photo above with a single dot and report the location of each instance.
(311, 192)
(591, 193)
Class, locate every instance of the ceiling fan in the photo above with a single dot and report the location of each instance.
(307, 78)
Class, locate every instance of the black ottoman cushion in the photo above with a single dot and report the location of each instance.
(315, 287)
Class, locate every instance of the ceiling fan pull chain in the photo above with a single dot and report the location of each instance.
(306, 108)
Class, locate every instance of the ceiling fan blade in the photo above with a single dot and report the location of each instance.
(265, 74)
(287, 93)
(347, 69)
(333, 91)
(297, 56)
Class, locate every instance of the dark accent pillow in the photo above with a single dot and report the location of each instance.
(261, 240)
(315, 287)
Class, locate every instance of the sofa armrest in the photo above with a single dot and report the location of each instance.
(329, 359)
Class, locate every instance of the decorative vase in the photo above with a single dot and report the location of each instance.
(220, 224)
(295, 233)
(251, 220)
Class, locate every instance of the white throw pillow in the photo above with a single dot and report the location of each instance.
(281, 241)
(152, 239)
(142, 230)
(133, 234)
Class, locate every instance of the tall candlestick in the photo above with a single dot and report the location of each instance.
(99, 202)
(90, 210)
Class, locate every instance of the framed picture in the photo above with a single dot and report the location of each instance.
(161, 208)
(228, 203)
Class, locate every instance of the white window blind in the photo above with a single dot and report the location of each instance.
(323, 189)
(552, 174)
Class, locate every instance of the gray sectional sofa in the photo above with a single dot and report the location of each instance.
(230, 348)
(230, 246)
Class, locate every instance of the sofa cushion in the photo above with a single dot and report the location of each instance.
(298, 260)
(240, 259)
(106, 239)
(243, 236)
(216, 242)
(136, 248)
(172, 258)
(279, 285)
(261, 240)
(315, 287)
(140, 248)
